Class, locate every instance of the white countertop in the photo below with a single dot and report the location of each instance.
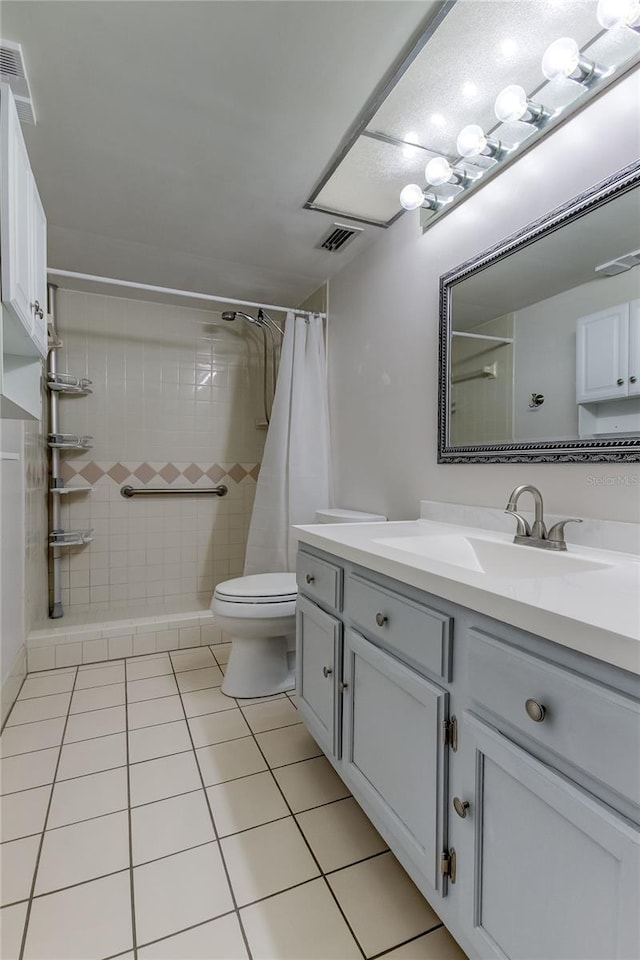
(596, 612)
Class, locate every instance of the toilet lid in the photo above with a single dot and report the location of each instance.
(259, 588)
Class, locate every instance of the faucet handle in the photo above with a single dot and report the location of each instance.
(523, 529)
(556, 533)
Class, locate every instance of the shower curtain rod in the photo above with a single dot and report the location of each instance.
(181, 293)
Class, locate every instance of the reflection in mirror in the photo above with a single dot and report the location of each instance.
(542, 337)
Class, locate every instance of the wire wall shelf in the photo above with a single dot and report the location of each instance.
(70, 538)
(69, 441)
(74, 488)
(64, 383)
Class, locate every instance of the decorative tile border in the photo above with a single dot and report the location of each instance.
(145, 472)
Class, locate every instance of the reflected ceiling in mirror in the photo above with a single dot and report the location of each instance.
(540, 338)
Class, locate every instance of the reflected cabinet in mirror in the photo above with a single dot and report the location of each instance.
(540, 338)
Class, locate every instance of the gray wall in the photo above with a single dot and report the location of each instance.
(383, 336)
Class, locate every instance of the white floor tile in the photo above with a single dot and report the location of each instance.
(300, 924)
(288, 745)
(221, 652)
(271, 714)
(27, 737)
(310, 784)
(162, 778)
(91, 796)
(83, 851)
(191, 680)
(28, 770)
(142, 668)
(248, 701)
(218, 727)
(22, 814)
(11, 929)
(207, 701)
(91, 756)
(437, 945)
(17, 866)
(241, 804)
(39, 708)
(86, 922)
(382, 905)
(169, 826)
(339, 834)
(227, 761)
(147, 713)
(192, 659)
(204, 892)
(267, 860)
(152, 688)
(100, 677)
(159, 741)
(44, 686)
(95, 723)
(98, 698)
(219, 939)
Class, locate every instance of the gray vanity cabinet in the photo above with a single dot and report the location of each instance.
(318, 668)
(393, 759)
(549, 871)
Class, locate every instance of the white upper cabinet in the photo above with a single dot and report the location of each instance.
(23, 228)
(608, 354)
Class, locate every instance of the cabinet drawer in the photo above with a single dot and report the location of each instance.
(590, 726)
(320, 580)
(418, 634)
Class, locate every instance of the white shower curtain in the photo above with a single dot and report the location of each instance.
(294, 476)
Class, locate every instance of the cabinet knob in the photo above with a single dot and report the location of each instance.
(327, 671)
(381, 619)
(535, 710)
(342, 686)
(309, 578)
(633, 379)
(37, 309)
(460, 807)
(619, 381)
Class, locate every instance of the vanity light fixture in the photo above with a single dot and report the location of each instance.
(472, 142)
(619, 13)
(413, 196)
(562, 58)
(439, 171)
(512, 103)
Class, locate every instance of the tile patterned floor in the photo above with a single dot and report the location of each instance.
(146, 815)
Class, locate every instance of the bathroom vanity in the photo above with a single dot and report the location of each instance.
(483, 708)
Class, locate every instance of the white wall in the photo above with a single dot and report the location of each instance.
(383, 336)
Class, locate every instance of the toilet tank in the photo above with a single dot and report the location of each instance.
(340, 515)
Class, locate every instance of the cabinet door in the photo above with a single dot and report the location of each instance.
(634, 348)
(602, 342)
(318, 659)
(393, 758)
(15, 214)
(38, 267)
(545, 871)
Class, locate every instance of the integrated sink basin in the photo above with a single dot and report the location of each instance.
(492, 557)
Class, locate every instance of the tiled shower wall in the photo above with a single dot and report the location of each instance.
(176, 400)
(36, 522)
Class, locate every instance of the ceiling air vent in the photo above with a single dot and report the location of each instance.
(338, 237)
(13, 72)
(620, 265)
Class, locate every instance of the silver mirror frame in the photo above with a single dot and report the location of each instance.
(623, 450)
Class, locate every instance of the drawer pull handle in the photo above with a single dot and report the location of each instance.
(342, 686)
(327, 671)
(460, 807)
(37, 309)
(535, 710)
(381, 619)
(309, 578)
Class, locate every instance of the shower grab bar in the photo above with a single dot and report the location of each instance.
(128, 491)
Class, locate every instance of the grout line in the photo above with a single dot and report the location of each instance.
(41, 696)
(131, 883)
(44, 828)
(384, 953)
(215, 831)
(194, 926)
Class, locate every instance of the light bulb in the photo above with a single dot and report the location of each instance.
(511, 104)
(411, 196)
(561, 58)
(438, 171)
(471, 141)
(615, 13)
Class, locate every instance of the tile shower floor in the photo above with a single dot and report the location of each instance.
(145, 814)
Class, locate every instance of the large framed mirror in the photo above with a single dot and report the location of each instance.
(540, 338)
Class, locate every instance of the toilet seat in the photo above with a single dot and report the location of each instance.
(264, 596)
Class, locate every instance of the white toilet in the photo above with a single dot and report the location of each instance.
(258, 612)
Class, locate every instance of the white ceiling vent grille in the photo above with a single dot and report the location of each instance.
(13, 72)
(613, 267)
(338, 237)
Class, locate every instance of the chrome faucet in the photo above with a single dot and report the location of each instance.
(536, 535)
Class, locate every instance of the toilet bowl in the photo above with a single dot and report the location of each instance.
(258, 613)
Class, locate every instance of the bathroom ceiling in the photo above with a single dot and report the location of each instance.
(176, 142)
